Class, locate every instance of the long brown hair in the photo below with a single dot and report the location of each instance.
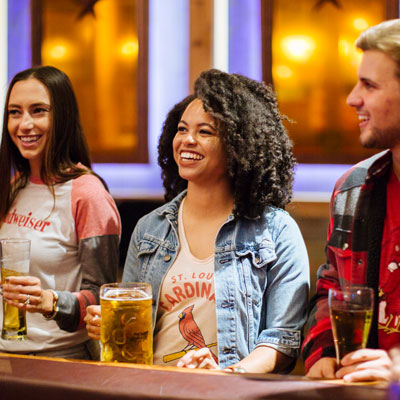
(65, 147)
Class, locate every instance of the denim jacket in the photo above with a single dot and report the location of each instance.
(261, 277)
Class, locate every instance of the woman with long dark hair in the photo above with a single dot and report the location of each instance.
(51, 196)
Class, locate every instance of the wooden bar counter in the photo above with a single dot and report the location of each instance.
(28, 377)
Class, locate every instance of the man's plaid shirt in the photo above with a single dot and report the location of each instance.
(357, 214)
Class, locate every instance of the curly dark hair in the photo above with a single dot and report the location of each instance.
(260, 160)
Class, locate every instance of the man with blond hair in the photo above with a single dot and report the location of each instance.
(363, 247)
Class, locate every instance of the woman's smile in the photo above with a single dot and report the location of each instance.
(29, 120)
(198, 150)
(188, 155)
(29, 140)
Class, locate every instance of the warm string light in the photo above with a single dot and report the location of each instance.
(130, 48)
(60, 51)
(300, 48)
(360, 24)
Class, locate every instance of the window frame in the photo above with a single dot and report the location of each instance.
(141, 153)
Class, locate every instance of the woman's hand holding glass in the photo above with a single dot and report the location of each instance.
(26, 292)
(93, 321)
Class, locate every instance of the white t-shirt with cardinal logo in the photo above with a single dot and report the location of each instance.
(186, 316)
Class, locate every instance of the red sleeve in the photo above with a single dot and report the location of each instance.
(318, 342)
(98, 229)
(93, 208)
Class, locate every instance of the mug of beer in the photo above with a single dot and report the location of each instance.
(126, 323)
(14, 261)
(350, 311)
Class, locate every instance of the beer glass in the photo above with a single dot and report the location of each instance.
(350, 311)
(14, 261)
(126, 323)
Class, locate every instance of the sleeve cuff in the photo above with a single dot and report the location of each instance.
(286, 341)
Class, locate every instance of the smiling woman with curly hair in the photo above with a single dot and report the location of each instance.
(259, 152)
(228, 266)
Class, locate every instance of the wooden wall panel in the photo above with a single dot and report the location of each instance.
(201, 28)
(392, 9)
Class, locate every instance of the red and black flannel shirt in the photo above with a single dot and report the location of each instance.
(357, 213)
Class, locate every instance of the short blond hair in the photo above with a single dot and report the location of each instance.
(384, 37)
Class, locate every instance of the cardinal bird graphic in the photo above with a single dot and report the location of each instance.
(190, 331)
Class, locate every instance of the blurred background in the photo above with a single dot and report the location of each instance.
(130, 61)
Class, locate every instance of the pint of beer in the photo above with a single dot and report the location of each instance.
(126, 323)
(14, 261)
(351, 316)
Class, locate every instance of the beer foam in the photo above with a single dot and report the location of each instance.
(124, 294)
(18, 266)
